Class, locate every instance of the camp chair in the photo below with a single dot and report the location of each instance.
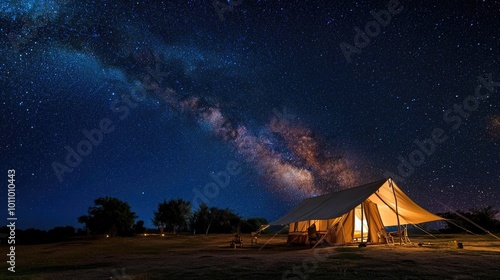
(312, 235)
(404, 235)
(255, 238)
(389, 239)
(237, 241)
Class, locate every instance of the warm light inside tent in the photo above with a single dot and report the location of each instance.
(358, 223)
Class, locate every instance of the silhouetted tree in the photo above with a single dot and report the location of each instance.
(215, 220)
(202, 219)
(109, 216)
(139, 227)
(225, 221)
(173, 215)
(484, 217)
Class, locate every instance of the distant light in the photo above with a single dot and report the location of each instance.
(107, 235)
(163, 234)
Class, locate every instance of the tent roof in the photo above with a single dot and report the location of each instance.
(334, 205)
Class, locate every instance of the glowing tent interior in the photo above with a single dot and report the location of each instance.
(355, 214)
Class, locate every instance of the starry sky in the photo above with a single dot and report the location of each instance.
(250, 105)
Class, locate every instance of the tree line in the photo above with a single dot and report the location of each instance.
(114, 217)
(460, 220)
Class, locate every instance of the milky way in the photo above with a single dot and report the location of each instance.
(303, 169)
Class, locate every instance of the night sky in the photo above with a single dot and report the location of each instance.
(275, 101)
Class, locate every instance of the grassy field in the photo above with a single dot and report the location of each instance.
(209, 257)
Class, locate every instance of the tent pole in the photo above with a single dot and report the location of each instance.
(397, 213)
(362, 224)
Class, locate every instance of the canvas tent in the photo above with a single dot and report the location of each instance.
(356, 214)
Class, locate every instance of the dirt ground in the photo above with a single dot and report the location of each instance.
(210, 257)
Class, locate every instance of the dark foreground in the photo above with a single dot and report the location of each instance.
(209, 257)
